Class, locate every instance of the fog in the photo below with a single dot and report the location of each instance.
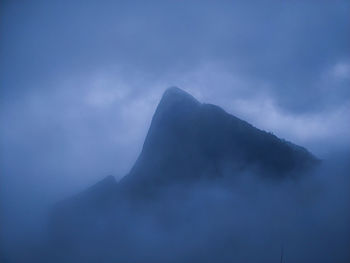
(246, 218)
(80, 83)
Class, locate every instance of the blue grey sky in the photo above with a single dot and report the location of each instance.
(80, 80)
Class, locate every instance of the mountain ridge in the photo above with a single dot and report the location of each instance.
(182, 129)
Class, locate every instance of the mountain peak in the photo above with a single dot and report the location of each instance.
(176, 95)
(188, 139)
(175, 106)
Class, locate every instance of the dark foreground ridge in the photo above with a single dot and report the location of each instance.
(188, 144)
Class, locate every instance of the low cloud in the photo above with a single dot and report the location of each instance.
(80, 82)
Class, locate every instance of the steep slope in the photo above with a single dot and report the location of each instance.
(188, 140)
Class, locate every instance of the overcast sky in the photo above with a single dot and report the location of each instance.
(80, 80)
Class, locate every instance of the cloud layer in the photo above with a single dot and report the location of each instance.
(80, 81)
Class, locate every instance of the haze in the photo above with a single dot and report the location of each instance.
(80, 81)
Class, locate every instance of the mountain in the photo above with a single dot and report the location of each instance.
(189, 140)
(189, 148)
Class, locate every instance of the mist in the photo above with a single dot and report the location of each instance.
(80, 82)
(245, 218)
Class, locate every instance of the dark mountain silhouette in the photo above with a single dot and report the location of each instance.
(188, 140)
(188, 144)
